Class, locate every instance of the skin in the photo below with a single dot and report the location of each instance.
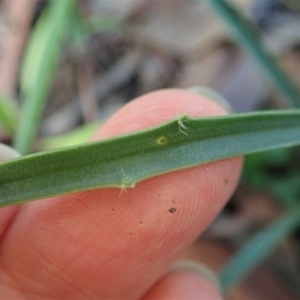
(108, 244)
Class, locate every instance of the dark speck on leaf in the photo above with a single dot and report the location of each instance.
(172, 210)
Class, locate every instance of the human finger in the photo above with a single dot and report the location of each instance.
(186, 280)
(107, 244)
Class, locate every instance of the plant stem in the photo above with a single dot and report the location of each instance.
(248, 38)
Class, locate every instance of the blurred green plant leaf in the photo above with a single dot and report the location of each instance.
(74, 137)
(40, 62)
(258, 248)
(83, 28)
(247, 36)
(9, 115)
(275, 172)
(123, 161)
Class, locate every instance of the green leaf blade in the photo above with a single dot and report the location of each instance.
(257, 249)
(125, 160)
(249, 39)
(9, 114)
(40, 63)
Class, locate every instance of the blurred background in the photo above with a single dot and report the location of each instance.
(77, 65)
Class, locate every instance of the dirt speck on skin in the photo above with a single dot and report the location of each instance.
(130, 233)
(174, 201)
(113, 209)
(141, 222)
(172, 210)
(226, 181)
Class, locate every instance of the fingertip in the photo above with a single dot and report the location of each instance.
(7, 214)
(213, 182)
(131, 238)
(188, 280)
(198, 268)
(157, 107)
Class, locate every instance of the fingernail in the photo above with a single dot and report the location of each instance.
(197, 267)
(212, 95)
(7, 152)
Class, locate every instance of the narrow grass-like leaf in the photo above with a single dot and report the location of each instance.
(249, 39)
(77, 136)
(125, 160)
(40, 63)
(9, 115)
(257, 249)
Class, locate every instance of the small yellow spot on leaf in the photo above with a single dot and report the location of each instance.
(161, 140)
